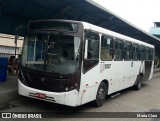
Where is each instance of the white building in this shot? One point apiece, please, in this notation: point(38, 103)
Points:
point(155, 30)
point(7, 45)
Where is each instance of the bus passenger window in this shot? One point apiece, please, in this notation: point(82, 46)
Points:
point(141, 51)
point(119, 49)
point(127, 51)
point(107, 48)
point(135, 49)
point(146, 53)
point(93, 49)
point(151, 51)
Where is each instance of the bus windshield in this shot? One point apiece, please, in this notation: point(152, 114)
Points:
point(51, 53)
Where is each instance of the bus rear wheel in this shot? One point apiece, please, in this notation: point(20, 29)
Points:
point(101, 95)
point(138, 86)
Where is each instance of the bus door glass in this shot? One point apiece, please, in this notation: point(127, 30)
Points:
point(91, 56)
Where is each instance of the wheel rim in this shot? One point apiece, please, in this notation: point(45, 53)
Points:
point(101, 95)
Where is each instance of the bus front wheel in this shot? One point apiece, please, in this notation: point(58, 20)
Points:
point(101, 95)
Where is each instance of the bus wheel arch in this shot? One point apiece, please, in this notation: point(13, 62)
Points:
point(107, 85)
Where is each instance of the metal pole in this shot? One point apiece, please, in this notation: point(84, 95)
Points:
point(16, 38)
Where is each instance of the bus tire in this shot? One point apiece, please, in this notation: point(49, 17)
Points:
point(101, 95)
point(138, 86)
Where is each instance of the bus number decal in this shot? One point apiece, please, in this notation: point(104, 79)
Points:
point(104, 66)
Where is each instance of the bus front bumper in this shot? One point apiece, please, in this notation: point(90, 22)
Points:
point(66, 98)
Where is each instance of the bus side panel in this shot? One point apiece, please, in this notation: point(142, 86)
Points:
point(89, 83)
point(126, 68)
point(112, 71)
point(151, 74)
point(135, 72)
point(131, 70)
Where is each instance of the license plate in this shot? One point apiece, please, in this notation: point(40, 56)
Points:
point(40, 95)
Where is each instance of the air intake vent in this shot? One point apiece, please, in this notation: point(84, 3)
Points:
point(46, 83)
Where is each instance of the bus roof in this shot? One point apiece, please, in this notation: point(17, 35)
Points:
point(114, 34)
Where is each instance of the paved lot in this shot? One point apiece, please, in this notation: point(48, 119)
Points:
point(145, 100)
point(8, 89)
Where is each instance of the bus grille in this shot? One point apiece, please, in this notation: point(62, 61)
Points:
point(46, 83)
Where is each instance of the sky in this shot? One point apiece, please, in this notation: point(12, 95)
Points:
point(141, 13)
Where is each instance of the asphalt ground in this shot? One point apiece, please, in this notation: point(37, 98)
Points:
point(145, 100)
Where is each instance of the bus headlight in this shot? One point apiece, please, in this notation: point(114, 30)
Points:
point(69, 88)
point(66, 89)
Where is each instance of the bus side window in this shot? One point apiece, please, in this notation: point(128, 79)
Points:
point(142, 52)
point(151, 51)
point(119, 45)
point(107, 48)
point(146, 53)
point(127, 51)
point(135, 49)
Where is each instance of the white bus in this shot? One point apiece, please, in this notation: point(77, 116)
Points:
point(73, 63)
